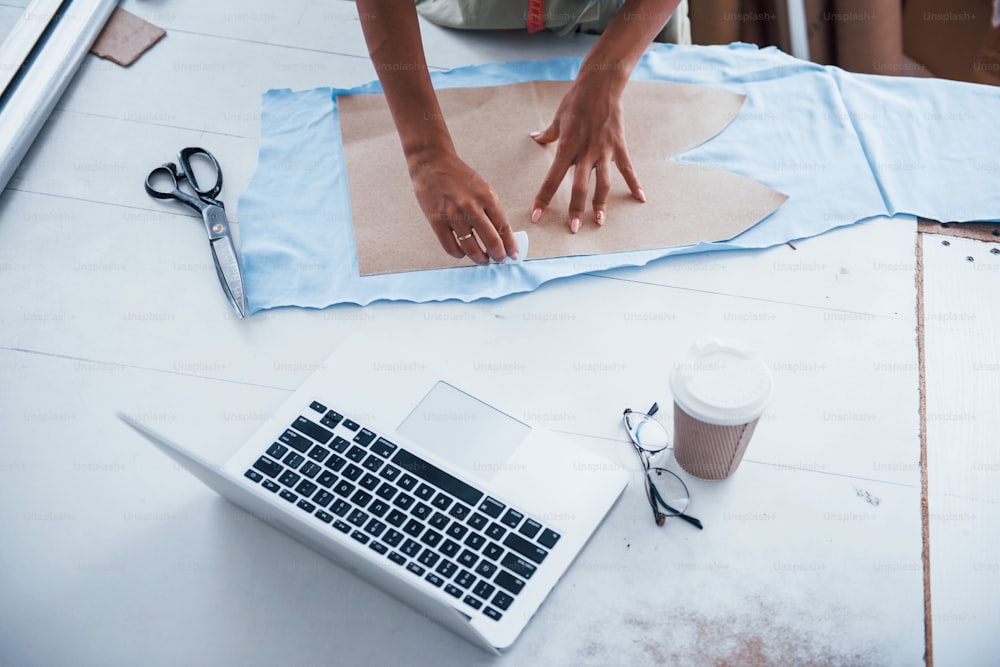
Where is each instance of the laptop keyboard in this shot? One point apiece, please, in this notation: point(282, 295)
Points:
point(435, 526)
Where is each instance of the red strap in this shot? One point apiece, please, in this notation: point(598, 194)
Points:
point(536, 15)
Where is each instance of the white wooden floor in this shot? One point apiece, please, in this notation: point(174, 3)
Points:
point(108, 301)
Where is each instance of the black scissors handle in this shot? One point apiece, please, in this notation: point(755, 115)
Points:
point(202, 196)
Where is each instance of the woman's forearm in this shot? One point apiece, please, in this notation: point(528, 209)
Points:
point(392, 34)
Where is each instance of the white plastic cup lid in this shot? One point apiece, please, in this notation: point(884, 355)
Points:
point(722, 382)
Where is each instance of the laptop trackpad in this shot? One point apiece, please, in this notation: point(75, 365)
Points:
point(463, 430)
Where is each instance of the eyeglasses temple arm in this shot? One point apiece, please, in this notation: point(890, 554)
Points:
point(690, 519)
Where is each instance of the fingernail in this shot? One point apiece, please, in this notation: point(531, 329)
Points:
point(599, 217)
point(513, 255)
point(574, 225)
point(535, 134)
point(536, 215)
point(641, 194)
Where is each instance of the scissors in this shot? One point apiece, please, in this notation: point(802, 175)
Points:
point(213, 212)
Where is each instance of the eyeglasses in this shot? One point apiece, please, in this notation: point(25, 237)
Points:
point(666, 492)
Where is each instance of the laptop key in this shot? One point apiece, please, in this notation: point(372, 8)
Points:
point(525, 548)
point(341, 526)
point(478, 521)
point(396, 518)
point(424, 491)
point(357, 517)
point(294, 459)
point(459, 511)
point(393, 537)
point(468, 558)
point(472, 602)
point(383, 448)
point(548, 538)
point(289, 478)
point(364, 437)
point(495, 530)
point(352, 472)
point(340, 444)
point(433, 579)
point(296, 441)
point(253, 475)
point(306, 505)
point(441, 501)
point(446, 568)
point(335, 463)
point(437, 477)
point(340, 508)
point(306, 488)
point(484, 590)
point(317, 406)
point(493, 551)
point(372, 463)
point(403, 501)
point(351, 425)
point(343, 488)
point(410, 547)
point(428, 557)
point(452, 591)
point(492, 613)
point(378, 508)
point(431, 538)
point(375, 527)
point(491, 506)
point(450, 548)
point(407, 482)
point(396, 558)
point(361, 498)
point(486, 569)
point(530, 528)
point(518, 566)
point(312, 429)
point(288, 495)
point(327, 479)
point(331, 419)
point(270, 486)
point(359, 536)
point(323, 498)
point(465, 579)
point(319, 453)
point(390, 472)
point(277, 450)
point(369, 481)
point(355, 453)
point(268, 467)
point(421, 511)
point(509, 582)
point(439, 520)
point(310, 469)
point(512, 518)
point(502, 600)
point(413, 527)
point(324, 516)
point(457, 530)
point(386, 491)
point(378, 547)
point(474, 541)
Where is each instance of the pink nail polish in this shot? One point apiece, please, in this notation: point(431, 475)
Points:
point(642, 195)
point(536, 215)
point(574, 225)
point(599, 217)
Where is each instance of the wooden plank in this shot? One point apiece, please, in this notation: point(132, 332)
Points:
point(961, 328)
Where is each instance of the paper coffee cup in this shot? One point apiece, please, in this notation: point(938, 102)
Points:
point(720, 391)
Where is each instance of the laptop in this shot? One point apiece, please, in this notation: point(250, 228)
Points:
point(422, 485)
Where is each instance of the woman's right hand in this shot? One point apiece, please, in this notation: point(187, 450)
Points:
point(456, 202)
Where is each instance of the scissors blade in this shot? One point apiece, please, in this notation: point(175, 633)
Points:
point(227, 265)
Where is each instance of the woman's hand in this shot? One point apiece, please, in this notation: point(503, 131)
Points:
point(590, 128)
point(460, 207)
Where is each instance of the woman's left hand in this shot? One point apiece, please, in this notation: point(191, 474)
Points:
point(590, 128)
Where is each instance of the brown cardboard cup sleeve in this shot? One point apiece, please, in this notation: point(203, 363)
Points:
point(720, 390)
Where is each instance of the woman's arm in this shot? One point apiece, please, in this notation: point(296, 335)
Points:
point(453, 197)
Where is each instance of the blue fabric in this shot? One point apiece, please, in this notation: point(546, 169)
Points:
point(844, 147)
